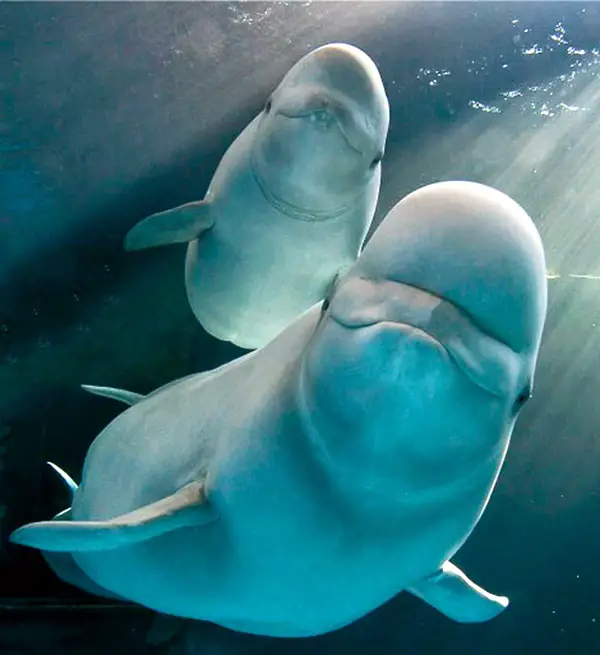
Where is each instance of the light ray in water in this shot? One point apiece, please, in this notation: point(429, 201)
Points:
point(538, 143)
point(557, 276)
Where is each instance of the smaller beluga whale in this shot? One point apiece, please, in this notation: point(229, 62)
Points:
point(290, 203)
point(294, 490)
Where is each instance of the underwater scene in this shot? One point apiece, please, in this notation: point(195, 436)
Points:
point(299, 328)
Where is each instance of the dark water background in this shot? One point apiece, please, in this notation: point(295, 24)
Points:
point(112, 111)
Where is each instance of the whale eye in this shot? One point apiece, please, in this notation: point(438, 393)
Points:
point(268, 106)
point(327, 301)
point(330, 292)
point(522, 398)
point(376, 161)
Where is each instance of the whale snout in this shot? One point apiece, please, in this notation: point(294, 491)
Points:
point(349, 71)
point(340, 83)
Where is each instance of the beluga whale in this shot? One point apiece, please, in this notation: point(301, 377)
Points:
point(289, 204)
point(294, 490)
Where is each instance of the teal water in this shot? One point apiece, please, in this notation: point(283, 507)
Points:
point(111, 111)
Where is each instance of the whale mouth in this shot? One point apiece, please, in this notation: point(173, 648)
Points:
point(326, 118)
point(489, 363)
point(328, 107)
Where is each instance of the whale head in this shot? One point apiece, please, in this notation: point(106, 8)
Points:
point(321, 136)
point(426, 350)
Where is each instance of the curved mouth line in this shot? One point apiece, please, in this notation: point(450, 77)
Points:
point(480, 356)
point(450, 306)
point(453, 356)
point(328, 111)
point(305, 113)
point(413, 326)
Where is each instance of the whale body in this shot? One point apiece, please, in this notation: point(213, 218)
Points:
point(296, 489)
point(290, 203)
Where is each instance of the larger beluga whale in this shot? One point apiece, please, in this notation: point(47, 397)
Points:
point(294, 490)
point(290, 203)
